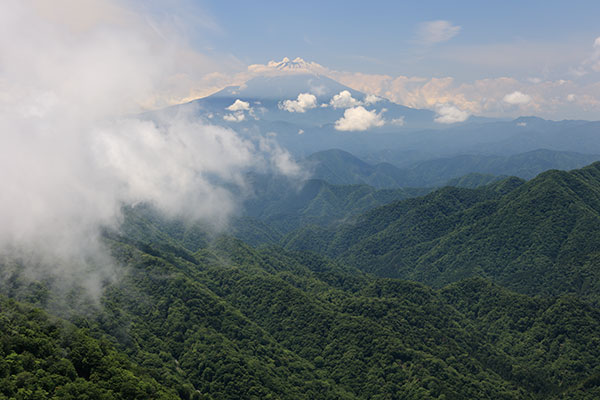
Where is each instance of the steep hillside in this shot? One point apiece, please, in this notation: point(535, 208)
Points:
point(536, 237)
point(43, 357)
point(197, 316)
point(241, 323)
point(284, 207)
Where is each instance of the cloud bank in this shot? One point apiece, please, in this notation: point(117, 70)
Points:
point(550, 98)
point(71, 154)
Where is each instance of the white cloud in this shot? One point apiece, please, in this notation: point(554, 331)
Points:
point(239, 105)
point(280, 159)
point(344, 99)
point(305, 101)
point(397, 121)
point(449, 114)
point(517, 98)
point(372, 99)
point(590, 63)
point(237, 116)
point(358, 119)
point(549, 98)
point(70, 159)
point(595, 57)
point(432, 32)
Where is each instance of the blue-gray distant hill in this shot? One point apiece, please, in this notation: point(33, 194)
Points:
point(340, 167)
point(407, 135)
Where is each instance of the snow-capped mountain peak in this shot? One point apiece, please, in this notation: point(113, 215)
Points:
point(287, 66)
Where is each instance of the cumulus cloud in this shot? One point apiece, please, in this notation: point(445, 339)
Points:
point(70, 158)
point(359, 119)
point(344, 99)
point(449, 114)
point(239, 105)
point(432, 32)
point(372, 99)
point(305, 101)
point(516, 98)
point(237, 116)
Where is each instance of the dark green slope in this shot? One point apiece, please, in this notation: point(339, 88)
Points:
point(275, 209)
point(278, 206)
point(232, 322)
point(295, 325)
point(201, 317)
point(42, 357)
point(542, 236)
point(474, 180)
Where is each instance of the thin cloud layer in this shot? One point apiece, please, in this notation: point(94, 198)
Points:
point(237, 116)
point(432, 32)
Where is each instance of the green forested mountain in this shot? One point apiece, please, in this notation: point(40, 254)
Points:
point(43, 357)
point(281, 207)
point(236, 322)
point(475, 180)
point(536, 237)
point(195, 315)
point(276, 208)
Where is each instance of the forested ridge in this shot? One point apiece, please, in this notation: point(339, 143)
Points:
point(506, 307)
point(534, 237)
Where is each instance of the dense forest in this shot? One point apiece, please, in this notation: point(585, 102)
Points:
point(485, 293)
point(535, 237)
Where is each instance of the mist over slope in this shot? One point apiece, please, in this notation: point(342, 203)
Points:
point(73, 152)
point(205, 251)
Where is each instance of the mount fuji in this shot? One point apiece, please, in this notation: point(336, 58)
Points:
point(305, 111)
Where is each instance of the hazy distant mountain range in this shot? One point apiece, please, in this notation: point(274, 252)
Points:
point(340, 167)
point(307, 113)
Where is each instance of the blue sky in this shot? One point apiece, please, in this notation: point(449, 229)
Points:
point(382, 36)
point(499, 59)
point(502, 58)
